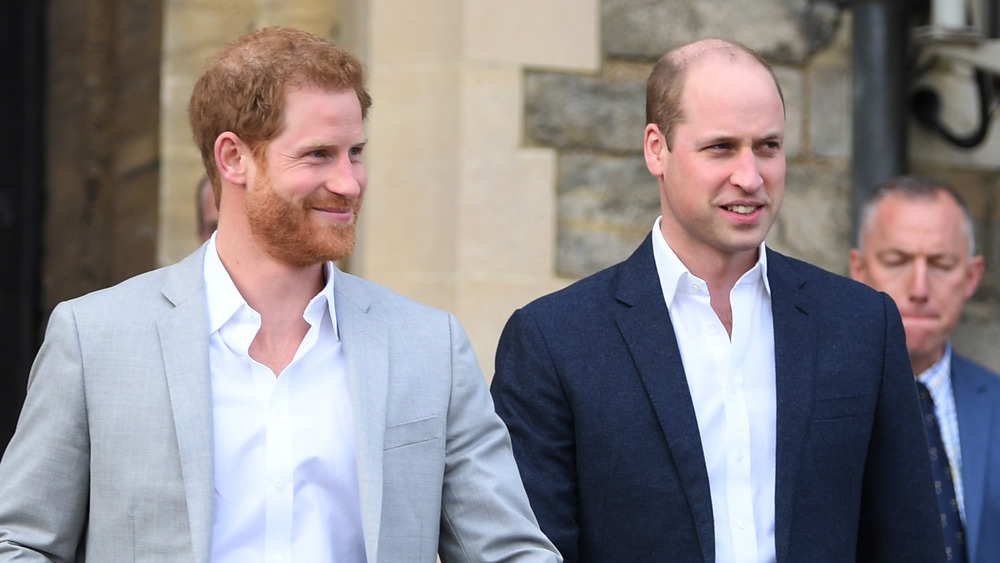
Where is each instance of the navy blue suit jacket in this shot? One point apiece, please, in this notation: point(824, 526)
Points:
point(977, 401)
point(590, 383)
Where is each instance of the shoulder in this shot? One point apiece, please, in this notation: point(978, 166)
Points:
point(839, 291)
point(141, 298)
point(143, 293)
point(630, 282)
point(964, 368)
point(373, 298)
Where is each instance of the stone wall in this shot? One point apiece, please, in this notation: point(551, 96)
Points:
point(607, 201)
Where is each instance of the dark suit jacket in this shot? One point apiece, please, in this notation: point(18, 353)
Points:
point(977, 401)
point(590, 383)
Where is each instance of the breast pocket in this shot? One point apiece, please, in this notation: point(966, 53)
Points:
point(410, 433)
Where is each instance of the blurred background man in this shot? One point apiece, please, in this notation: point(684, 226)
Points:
point(208, 211)
point(916, 244)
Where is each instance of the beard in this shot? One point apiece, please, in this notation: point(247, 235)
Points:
point(289, 231)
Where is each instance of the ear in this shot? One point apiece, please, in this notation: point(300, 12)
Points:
point(976, 266)
point(654, 147)
point(856, 265)
point(233, 158)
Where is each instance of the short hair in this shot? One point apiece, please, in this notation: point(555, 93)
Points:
point(914, 188)
point(243, 87)
point(665, 85)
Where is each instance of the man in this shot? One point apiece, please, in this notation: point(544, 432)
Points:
point(915, 243)
point(253, 402)
point(207, 214)
point(709, 399)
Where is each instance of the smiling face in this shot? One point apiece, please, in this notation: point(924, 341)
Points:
point(723, 180)
point(304, 202)
point(917, 251)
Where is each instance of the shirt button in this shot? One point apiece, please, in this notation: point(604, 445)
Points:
point(741, 524)
point(695, 287)
point(739, 456)
point(711, 329)
point(279, 485)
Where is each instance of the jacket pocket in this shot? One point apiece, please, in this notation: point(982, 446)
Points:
point(414, 432)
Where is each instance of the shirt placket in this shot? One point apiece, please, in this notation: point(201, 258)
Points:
point(280, 478)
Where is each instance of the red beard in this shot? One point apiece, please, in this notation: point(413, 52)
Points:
point(290, 231)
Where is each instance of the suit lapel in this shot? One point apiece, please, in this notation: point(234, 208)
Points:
point(645, 326)
point(365, 344)
point(975, 407)
point(183, 335)
point(795, 343)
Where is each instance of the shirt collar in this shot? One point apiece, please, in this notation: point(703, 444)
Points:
point(225, 300)
point(670, 268)
point(936, 376)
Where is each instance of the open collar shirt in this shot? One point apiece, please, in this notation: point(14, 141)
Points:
point(286, 481)
point(732, 385)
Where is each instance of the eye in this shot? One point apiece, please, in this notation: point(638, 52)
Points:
point(719, 149)
point(944, 263)
point(893, 259)
point(355, 152)
point(317, 153)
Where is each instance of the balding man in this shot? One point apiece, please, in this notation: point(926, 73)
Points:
point(916, 244)
point(710, 399)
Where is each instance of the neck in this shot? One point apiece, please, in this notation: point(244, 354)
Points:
point(278, 292)
point(923, 363)
point(720, 272)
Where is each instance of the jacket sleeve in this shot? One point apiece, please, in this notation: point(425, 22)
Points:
point(44, 474)
point(485, 513)
point(530, 400)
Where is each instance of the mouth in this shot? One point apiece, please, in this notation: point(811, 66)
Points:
point(742, 209)
point(336, 215)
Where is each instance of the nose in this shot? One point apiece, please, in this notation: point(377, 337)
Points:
point(919, 289)
point(347, 178)
point(746, 174)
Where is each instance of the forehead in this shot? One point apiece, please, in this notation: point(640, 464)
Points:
point(914, 221)
point(319, 112)
point(732, 91)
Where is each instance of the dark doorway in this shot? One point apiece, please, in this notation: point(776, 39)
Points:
point(21, 191)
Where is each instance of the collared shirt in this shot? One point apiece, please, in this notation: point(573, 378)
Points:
point(286, 482)
point(937, 378)
point(733, 389)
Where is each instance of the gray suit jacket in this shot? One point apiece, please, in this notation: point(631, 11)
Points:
point(112, 457)
point(977, 402)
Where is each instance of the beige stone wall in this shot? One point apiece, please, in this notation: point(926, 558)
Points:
point(458, 214)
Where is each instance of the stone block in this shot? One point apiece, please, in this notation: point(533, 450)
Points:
point(571, 111)
point(830, 126)
point(607, 205)
point(814, 222)
point(792, 90)
point(782, 30)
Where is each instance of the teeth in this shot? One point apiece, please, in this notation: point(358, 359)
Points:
point(742, 209)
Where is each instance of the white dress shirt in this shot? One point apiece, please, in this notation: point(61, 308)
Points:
point(286, 482)
point(733, 389)
point(937, 378)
